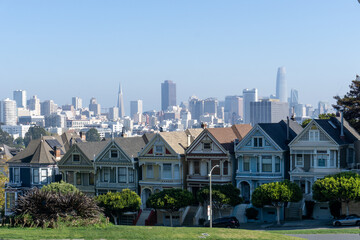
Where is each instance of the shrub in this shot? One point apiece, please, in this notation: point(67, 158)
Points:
point(251, 213)
point(61, 187)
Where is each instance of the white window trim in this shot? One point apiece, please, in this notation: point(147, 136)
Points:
point(299, 165)
point(316, 136)
point(262, 142)
point(19, 181)
point(33, 175)
point(171, 171)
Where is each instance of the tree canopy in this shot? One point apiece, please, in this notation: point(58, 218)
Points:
point(321, 116)
point(171, 200)
point(60, 187)
point(350, 104)
point(92, 135)
point(342, 187)
point(5, 138)
point(34, 132)
point(3, 179)
point(116, 203)
point(276, 194)
point(222, 196)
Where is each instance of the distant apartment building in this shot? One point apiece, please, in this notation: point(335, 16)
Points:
point(34, 106)
point(16, 130)
point(94, 106)
point(234, 108)
point(168, 94)
point(268, 111)
point(113, 113)
point(249, 95)
point(196, 107)
point(8, 114)
point(210, 106)
point(32, 120)
point(55, 120)
point(136, 107)
point(77, 102)
point(20, 98)
point(48, 107)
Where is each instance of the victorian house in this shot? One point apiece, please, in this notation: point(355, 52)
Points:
point(214, 146)
point(162, 163)
point(325, 146)
point(263, 155)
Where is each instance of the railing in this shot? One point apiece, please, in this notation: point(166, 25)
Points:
point(183, 215)
point(137, 218)
point(198, 215)
point(152, 219)
point(263, 174)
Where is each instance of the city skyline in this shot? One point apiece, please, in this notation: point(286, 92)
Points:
point(187, 42)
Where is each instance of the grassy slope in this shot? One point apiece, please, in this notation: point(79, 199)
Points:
point(320, 231)
point(132, 232)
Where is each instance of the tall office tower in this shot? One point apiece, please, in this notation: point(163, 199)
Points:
point(48, 107)
point(294, 97)
point(8, 112)
point(324, 107)
point(77, 102)
point(20, 98)
point(249, 95)
point(268, 111)
point(299, 110)
point(136, 107)
point(94, 106)
point(120, 103)
point(233, 108)
point(196, 107)
point(309, 110)
point(34, 105)
point(210, 106)
point(168, 94)
point(281, 92)
point(113, 113)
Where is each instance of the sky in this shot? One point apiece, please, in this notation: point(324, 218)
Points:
point(60, 49)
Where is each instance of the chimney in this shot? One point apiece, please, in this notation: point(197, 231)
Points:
point(188, 140)
point(57, 152)
point(287, 128)
point(82, 136)
point(342, 136)
point(203, 125)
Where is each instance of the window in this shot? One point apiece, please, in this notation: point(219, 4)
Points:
point(113, 153)
point(36, 176)
point(70, 177)
point(322, 158)
point(131, 175)
point(299, 160)
point(113, 175)
point(226, 168)
point(258, 142)
point(277, 164)
point(159, 150)
point(78, 178)
point(313, 135)
point(266, 163)
point(350, 155)
point(10, 200)
point(16, 175)
point(246, 164)
point(216, 170)
point(207, 146)
point(122, 174)
point(91, 179)
point(76, 158)
point(196, 167)
point(176, 171)
point(167, 171)
point(332, 158)
point(106, 174)
point(149, 171)
point(44, 176)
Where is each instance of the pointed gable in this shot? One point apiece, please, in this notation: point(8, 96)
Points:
point(206, 143)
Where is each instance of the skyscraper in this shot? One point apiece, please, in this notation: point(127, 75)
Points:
point(168, 94)
point(77, 102)
point(233, 108)
point(268, 111)
point(113, 113)
point(294, 98)
point(120, 103)
point(48, 107)
point(210, 106)
point(249, 95)
point(8, 112)
point(20, 98)
point(281, 92)
point(136, 107)
point(94, 106)
point(34, 105)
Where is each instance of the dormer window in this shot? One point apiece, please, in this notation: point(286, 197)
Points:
point(258, 142)
point(207, 146)
point(113, 153)
point(76, 158)
point(314, 135)
point(159, 150)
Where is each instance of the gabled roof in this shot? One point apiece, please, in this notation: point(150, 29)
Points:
point(92, 149)
point(178, 141)
point(38, 152)
point(241, 130)
point(131, 145)
point(278, 132)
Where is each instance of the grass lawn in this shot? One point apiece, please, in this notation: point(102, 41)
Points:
point(320, 231)
point(136, 232)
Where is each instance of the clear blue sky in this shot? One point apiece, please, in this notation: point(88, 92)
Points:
point(60, 49)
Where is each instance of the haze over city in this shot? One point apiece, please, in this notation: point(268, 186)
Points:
point(60, 49)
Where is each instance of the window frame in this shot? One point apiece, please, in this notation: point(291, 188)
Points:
point(114, 153)
point(73, 157)
point(167, 173)
point(296, 160)
point(122, 175)
point(258, 142)
point(247, 162)
point(36, 175)
point(269, 161)
point(149, 169)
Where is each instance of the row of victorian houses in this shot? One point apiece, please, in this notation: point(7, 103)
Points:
point(247, 156)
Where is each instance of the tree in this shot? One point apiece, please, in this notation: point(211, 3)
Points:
point(342, 187)
point(222, 196)
point(60, 187)
point(92, 135)
point(3, 179)
point(5, 138)
point(171, 200)
point(19, 142)
point(116, 203)
point(34, 133)
point(321, 116)
point(276, 194)
point(350, 104)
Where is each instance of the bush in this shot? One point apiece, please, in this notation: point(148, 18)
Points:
point(47, 209)
point(251, 213)
point(61, 187)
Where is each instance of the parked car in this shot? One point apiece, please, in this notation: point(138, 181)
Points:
point(352, 219)
point(229, 222)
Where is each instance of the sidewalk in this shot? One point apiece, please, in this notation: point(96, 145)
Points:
point(287, 225)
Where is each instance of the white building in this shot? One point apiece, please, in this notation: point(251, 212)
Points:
point(20, 98)
point(136, 107)
point(16, 130)
point(8, 112)
point(34, 106)
point(249, 95)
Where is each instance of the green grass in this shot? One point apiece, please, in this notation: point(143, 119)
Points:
point(320, 231)
point(135, 232)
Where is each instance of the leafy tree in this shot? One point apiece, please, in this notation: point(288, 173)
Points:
point(222, 196)
point(170, 200)
point(116, 203)
point(350, 104)
point(60, 187)
point(5, 138)
point(321, 116)
point(342, 187)
point(19, 142)
point(276, 194)
point(92, 135)
point(3, 179)
point(34, 133)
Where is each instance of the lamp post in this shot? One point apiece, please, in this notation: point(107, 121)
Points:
point(211, 194)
